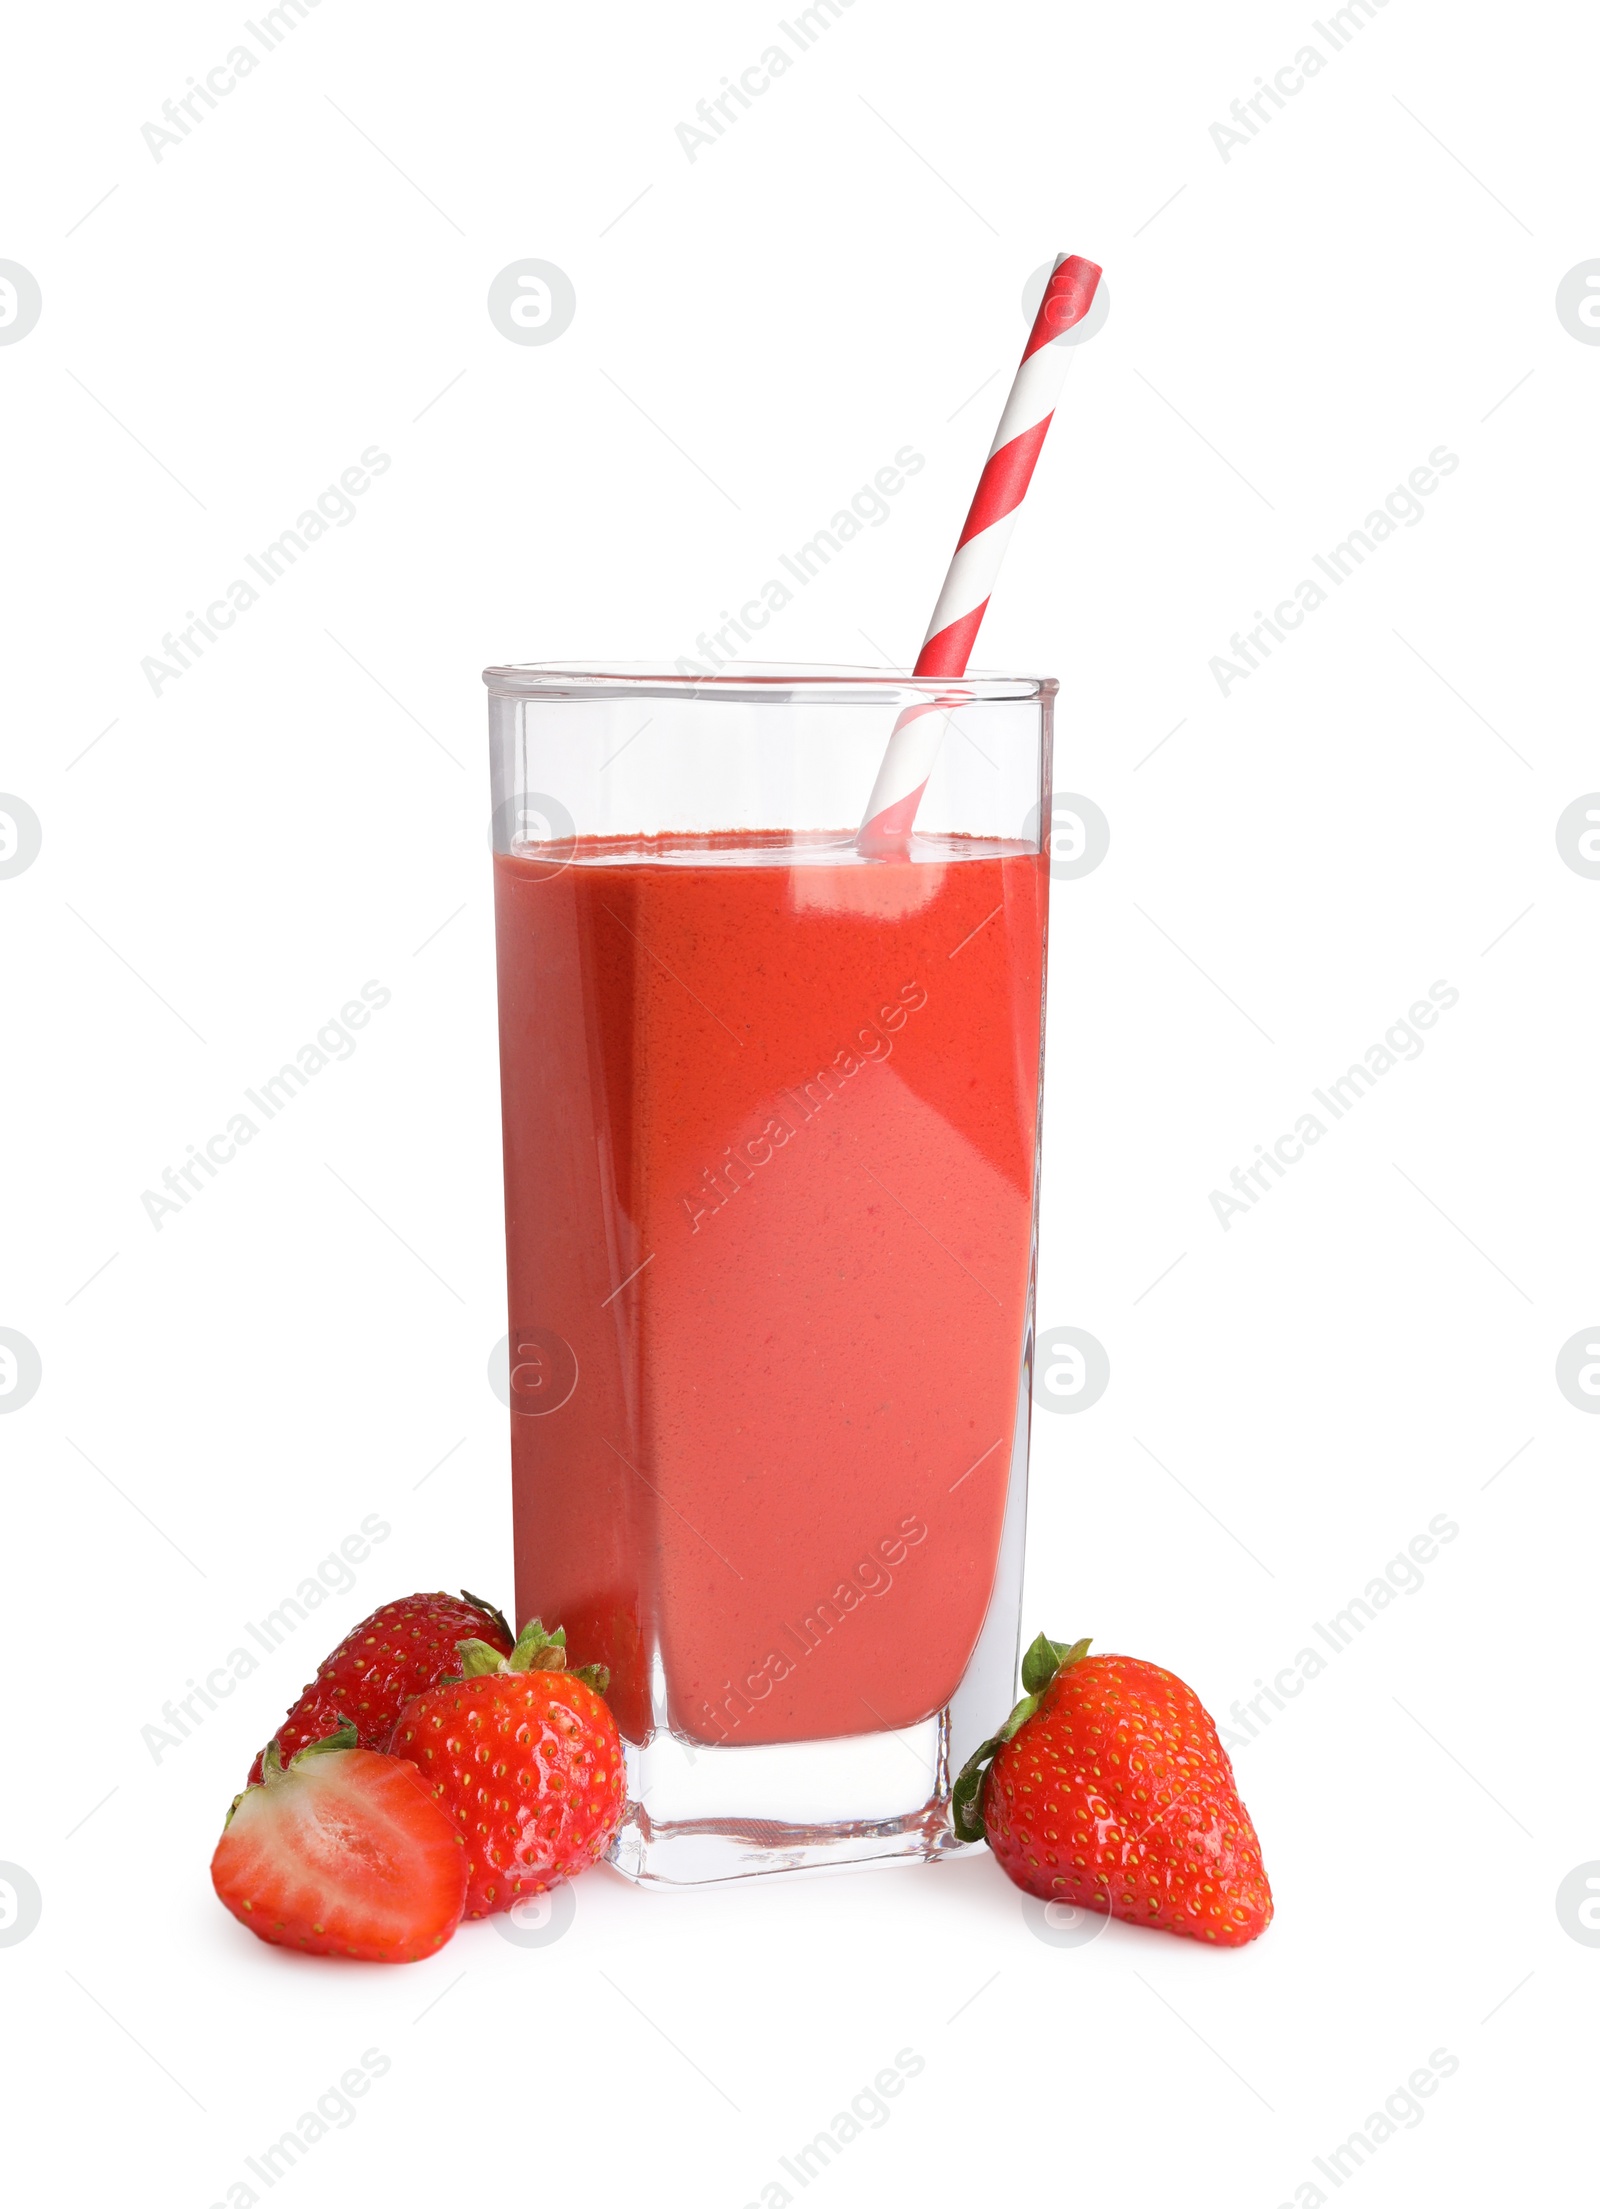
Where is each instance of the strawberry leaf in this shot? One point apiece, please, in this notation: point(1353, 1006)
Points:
point(966, 1810)
point(345, 1737)
point(479, 1657)
point(537, 1651)
point(966, 1804)
point(597, 1676)
point(1045, 1658)
point(489, 1611)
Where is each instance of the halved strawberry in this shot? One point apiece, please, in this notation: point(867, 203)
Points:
point(342, 1852)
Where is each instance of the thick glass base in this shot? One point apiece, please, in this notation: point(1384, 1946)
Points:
point(699, 1815)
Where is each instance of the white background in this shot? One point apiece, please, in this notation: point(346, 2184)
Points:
point(1292, 331)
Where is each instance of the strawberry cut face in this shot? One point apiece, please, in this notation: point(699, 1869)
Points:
point(343, 1853)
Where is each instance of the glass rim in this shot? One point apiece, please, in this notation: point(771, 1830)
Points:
point(821, 683)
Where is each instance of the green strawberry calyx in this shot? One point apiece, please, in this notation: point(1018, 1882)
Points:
point(535, 1651)
point(1044, 1662)
point(274, 1770)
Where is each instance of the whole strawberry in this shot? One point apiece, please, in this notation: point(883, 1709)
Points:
point(402, 1648)
point(526, 1758)
point(1107, 1787)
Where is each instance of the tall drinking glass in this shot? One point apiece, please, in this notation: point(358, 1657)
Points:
point(771, 1120)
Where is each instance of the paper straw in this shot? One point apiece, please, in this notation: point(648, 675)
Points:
point(914, 741)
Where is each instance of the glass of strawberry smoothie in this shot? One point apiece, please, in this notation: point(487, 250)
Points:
point(771, 1124)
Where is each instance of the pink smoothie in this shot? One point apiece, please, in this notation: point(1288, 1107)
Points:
point(770, 1139)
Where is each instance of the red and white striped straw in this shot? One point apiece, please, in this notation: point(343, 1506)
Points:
point(914, 741)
